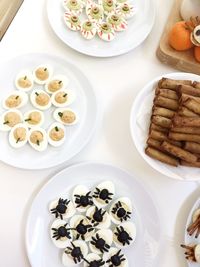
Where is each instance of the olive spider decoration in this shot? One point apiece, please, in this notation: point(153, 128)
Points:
point(82, 229)
point(103, 194)
point(122, 236)
point(120, 212)
point(95, 263)
point(100, 243)
point(97, 216)
point(61, 232)
point(83, 200)
point(75, 253)
point(116, 259)
point(61, 208)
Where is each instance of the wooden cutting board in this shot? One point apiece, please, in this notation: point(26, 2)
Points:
point(183, 61)
point(8, 10)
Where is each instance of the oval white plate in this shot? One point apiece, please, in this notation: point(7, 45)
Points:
point(139, 126)
point(78, 135)
point(138, 29)
point(144, 252)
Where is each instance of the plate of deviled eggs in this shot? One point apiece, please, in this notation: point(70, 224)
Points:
point(92, 215)
point(48, 111)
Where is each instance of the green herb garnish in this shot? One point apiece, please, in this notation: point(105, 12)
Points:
point(56, 128)
point(60, 114)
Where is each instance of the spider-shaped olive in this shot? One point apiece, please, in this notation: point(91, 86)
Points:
point(97, 216)
point(61, 208)
point(95, 263)
point(122, 236)
point(82, 229)
point(61, 232)
point(83, 200)
point(120, 212)
point(75, 253)
point(116, 259)
point(103, 194)
point(100, 244)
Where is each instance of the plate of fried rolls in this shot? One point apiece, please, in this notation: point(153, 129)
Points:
point(165, 125)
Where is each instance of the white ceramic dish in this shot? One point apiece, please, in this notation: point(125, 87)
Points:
point(145, 250)
point(139, 126)
point(138, 29)
point(77, 135)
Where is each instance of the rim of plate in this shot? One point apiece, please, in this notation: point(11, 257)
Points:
point(132, 120)
point(120, 52)
point(94, 125)
point(108, 165)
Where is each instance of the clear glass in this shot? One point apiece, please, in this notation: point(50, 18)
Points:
point(190, 8)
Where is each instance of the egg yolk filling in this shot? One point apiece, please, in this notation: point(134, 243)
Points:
point(56, 134)
point(36, 137)
point(13, 101)
point(19, 134)
point(42, 99)
point(61, 97)
point(55, 85)
point(24, 82)
point(11, 119)
point(42, 74)
point(67, 116)
point(34, 118)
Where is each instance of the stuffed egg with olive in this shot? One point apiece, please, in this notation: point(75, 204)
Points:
point(42, 74)
point(37, 139)
point(15, 99)
point(18, 135)
point(40, 99)
point(63, 98)
point(9, 119)
point(65, 116)
point(101, 241)
point(24, 81)
point(56, 83)
point(121, 210)
point(124, 234)
point(103, 194)
point(34, 118)
point(56, 134)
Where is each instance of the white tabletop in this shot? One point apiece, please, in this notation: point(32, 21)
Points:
point(123, 76)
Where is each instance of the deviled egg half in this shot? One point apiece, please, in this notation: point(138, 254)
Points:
point(117, 22)
point(56, 134)
point(99, 218)
point(40, 99)
point(24, 81)
point(93, 259)
point(34, 118)
point(65, 116)
point(38, 139)
point(9, 119)
point(101, 242)
point(75, 6)
point(60, 233)
point(62, 208)
point(56, 83)
point(124, 234)
point(106, 32)
point(103, 193)
point(88, 29)
point(74, 254)
point(15, 99)
point(72, 21)
point(115, 257)
point(81, 228)
point(18, 135)
point(42, 73)
point(121, 210)
point(82, 198)
point(63, 98)
point(126, 10)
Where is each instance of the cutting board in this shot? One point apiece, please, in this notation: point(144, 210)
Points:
point(183, 61)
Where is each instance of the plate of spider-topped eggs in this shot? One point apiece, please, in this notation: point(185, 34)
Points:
point(48, 111)
point(102, 28)
point(93, 215)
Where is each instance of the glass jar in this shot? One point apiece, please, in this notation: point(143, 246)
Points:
point(190, 8)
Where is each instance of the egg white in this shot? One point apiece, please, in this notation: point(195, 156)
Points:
point(106, 218)
point(29, 75)
point(130, 228)
point(57, 117)
point(70, 211)
point(75, 220)
point(71, 98)
point(52, 142)
point(80, 190)
point(91, 257)
point(126, 204)
point(26, 116)
point(105, 234)
point(43, 145)
point(104, 185)
point(63, 78)
point(33, 96)
point(21, 94)
point(49, 68)
point(111, 253)
point(5, 127)
point(12, 139)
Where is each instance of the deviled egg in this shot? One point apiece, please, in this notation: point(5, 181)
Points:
point(101, 241)
point(15, 99)
point(116, 258)
point(117, 22)
point(63, 98)
point(81, 228)
point(9, 119)
point(42, 73)
point(38, 139)
point(103, 193)
point(56, 134)
point(75, 6)
point(121, 210)
point(126, 10)
point(18, 135)
point(99, 218)
point(74, 253)
point(24, 81)
point(106, 32)
point(72, 21)
point(124, 234)
point(108, 6)
point(34, 118)
point(93, 259)
point(62, 208)
point(56, 83)
point(94, 12)
point(88, 29)
point(40, 99)
point(60, 233)
point(82, 198)
point(65, 116)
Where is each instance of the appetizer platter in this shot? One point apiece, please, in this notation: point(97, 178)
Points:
point(101, 28)
point(46, 112)
point(165, 128)
point(89, 209)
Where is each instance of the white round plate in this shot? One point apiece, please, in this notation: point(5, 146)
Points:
point(78, 135)
point(144, 252)
point(138, 29)
point(139, 126)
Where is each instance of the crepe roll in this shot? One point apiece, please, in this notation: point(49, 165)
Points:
point(188, 90)
point(167, 93)
point(154, 143)
point(190, 164)
point(192, 105)
point(185, 112)
point(166, 103)
point(185, 97)
point(192, 147)
point(162, 121)
point(184, 121)
point(184, 137)
point(172, 84)
point(158, 128)
point(186, 130)
point(163, 112)
point(160, 136)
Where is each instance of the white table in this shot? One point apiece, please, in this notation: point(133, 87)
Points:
point(30, 32)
